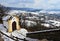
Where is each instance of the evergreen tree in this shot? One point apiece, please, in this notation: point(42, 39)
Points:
point(3, 10)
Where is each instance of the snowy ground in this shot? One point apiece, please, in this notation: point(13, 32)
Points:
point(20, 34)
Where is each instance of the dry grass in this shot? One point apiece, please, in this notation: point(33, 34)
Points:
point(1, 39)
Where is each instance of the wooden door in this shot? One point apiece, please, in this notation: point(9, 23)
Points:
point(13, 26)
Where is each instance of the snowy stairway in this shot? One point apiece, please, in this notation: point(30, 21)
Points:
point(8, 36)
point(13, 38)
point(21, 34)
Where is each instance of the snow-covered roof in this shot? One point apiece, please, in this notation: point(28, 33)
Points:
point(35, 13)
point(45, 24)
point(54, 12)
point(43, 11)
point(13, 12)
point(54, 21)
point(6, 17)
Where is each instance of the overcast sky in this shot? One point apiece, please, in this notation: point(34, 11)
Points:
point(43, 4)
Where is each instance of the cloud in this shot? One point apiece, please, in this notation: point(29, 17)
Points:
point(17, 3)
point(48, 4)
point(44, 4)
